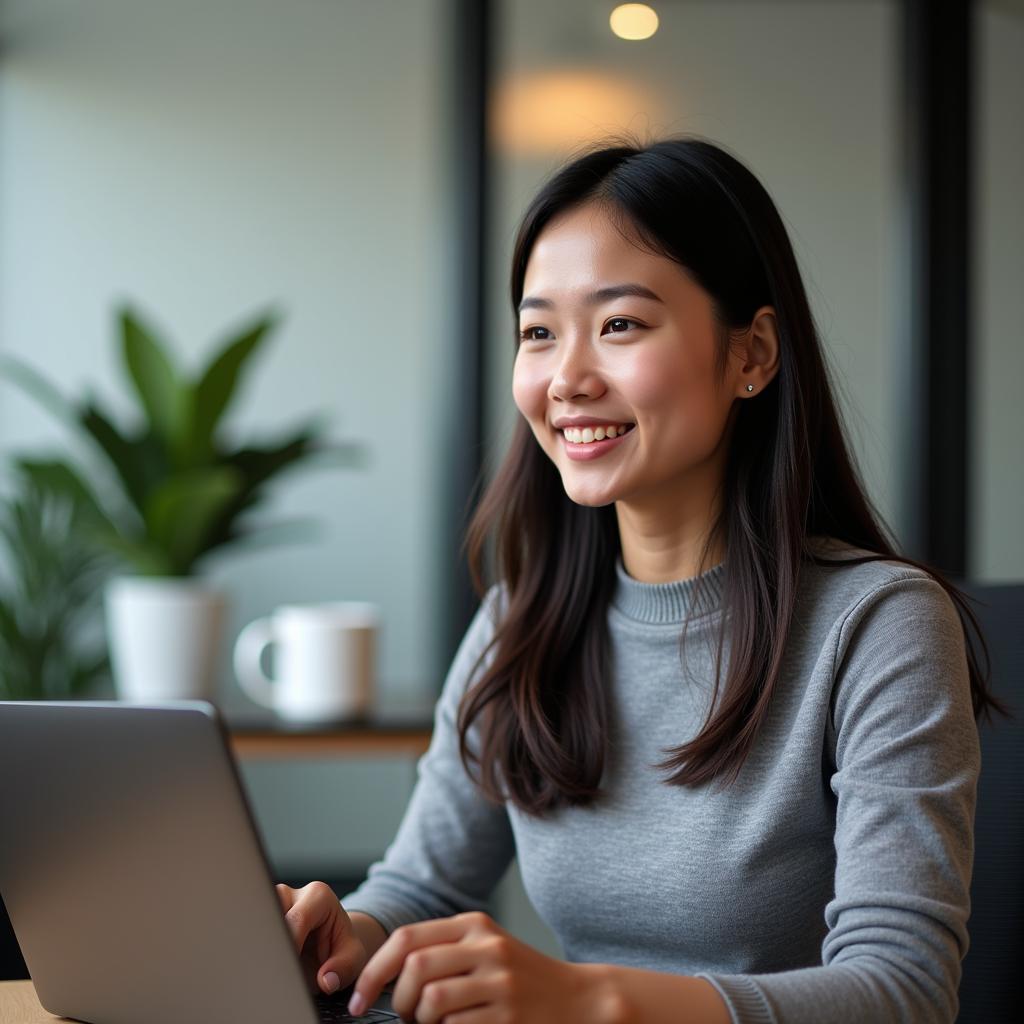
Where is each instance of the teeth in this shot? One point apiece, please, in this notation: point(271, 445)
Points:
point(586, 435)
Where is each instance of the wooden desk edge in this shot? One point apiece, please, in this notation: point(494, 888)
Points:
point(270, 744)
point(19, 1004)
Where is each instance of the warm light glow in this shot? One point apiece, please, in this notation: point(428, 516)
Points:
point(634, 21)
point(550, 113)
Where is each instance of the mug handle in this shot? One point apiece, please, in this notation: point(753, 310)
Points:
point(249, 647)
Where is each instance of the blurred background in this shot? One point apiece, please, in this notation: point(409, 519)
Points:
point(360, 166)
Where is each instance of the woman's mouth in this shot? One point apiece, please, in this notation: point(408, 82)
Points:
point(585, 443)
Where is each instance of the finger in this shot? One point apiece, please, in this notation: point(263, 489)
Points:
point(386, 963)
point(444, 997)
point(310, 910)
point(478, 1015)
point(341, 969)
point(286, 894)
point(429, 965)
point(340, 955)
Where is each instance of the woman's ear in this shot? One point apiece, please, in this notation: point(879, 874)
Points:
point(758, 350)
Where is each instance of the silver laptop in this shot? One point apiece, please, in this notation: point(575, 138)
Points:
point(133, 873)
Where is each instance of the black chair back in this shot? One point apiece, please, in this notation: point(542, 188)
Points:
point(990, 989)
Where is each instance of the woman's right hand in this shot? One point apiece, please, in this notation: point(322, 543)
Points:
point(332, 953)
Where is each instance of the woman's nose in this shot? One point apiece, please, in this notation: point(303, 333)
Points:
point(575, 376)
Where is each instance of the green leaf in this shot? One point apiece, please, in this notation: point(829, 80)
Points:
point(145, 557)
point(135, 461)
point(38, 387)
point(8, 624)
point(85, 674)
point(257, 465)
point(166, 400)
point(181, 512)
point(56, 477)
point(139, 462)
point(217, 385)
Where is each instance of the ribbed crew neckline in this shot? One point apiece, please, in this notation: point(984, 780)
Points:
point(666, 603)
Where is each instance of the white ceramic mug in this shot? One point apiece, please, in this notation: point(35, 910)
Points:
point(325, 660)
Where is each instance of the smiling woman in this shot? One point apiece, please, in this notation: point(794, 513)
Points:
point(726, 728)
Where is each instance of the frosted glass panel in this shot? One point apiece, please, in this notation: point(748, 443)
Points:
point(996, 543)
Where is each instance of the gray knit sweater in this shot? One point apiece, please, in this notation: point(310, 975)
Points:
point(828, 884)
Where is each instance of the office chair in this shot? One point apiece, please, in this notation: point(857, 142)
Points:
point(990, 989)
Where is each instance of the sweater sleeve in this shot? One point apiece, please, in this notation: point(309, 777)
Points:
point(905, 776)
point(452, 846)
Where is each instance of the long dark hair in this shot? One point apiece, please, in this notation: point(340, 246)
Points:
point(789, 478)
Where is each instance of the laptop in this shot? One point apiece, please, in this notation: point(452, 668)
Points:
point(134, 875)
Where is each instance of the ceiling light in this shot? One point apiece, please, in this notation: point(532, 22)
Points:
point(634, 21)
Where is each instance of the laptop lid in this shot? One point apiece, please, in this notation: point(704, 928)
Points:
point(132, 869)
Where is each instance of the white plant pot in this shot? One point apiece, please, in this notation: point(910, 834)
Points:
point(165, 637)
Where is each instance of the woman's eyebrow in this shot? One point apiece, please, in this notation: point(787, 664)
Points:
point(614, 291)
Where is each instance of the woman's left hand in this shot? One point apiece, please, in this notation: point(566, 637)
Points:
point(466, 969)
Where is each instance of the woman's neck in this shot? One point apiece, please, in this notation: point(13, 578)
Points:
point(656, 551)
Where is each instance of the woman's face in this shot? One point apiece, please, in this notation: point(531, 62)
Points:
point(611, 335)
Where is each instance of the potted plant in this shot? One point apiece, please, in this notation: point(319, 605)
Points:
point(178, 491)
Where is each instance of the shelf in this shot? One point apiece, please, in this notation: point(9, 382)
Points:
point(395, 733)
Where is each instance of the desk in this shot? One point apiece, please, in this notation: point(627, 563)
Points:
point(19, 1005)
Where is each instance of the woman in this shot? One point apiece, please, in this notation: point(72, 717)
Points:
point(727, 730)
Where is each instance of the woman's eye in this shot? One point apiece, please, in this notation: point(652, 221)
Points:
point(528, 335)
point(619, 324)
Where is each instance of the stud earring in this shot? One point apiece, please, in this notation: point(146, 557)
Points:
point(750, 387)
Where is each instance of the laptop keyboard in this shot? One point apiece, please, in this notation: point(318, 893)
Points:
point(335, 1011)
